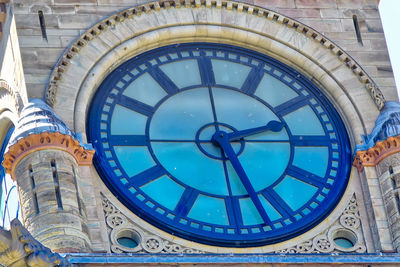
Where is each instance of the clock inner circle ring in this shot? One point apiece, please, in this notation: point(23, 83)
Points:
point(181, 134)
point(204, 136)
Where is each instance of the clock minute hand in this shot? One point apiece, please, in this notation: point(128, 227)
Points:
point(220, 138)
point(274, 126)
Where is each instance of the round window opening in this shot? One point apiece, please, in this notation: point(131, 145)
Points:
point(219, 144)
point(345, 239)
point(128, 238)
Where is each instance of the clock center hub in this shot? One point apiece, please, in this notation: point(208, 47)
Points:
point(211, 149)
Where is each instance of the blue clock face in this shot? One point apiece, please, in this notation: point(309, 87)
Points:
point(219, 144)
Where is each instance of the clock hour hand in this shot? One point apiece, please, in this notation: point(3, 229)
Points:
point(220, 139)
point(274, 126)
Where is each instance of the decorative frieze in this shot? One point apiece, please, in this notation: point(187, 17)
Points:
point(375, 154)
point(140, 240)
point(18, 103)
point(347, 228)
point(45, 140)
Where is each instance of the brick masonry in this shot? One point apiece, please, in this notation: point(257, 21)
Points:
point(65, 20)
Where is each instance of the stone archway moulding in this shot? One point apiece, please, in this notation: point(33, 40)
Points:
point(155, 24)
point(103, 47)
point(11, 104)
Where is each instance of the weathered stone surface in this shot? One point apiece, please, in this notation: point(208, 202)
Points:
point(50, 201)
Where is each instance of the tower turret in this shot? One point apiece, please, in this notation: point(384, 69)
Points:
point(43, 156)
point(379, 159)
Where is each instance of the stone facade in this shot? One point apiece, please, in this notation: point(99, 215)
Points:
point(65, 20)
point(69, 47)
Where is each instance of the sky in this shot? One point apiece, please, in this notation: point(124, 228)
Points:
point(389, 10)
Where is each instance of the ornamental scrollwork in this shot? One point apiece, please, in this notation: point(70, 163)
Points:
point(347, 227)
point(375, 154)
point(376, 95)
point(119, 226)
point(19, 248)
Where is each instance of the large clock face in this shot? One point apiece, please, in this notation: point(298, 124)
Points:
point(219, 144)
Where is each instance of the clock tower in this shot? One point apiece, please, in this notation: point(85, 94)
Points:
point(264, 130)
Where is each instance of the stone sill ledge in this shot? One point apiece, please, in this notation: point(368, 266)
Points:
point(99, 258)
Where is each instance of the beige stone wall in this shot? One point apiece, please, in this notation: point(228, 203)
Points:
point(51, 200)
point(11, 71)
point(65, 20)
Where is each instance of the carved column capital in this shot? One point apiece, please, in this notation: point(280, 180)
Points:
point(42, 141)
point(375, 154)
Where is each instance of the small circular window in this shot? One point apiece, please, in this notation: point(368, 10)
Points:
point(128, 238)
point(344, 238)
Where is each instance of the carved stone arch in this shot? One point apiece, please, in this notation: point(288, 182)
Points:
point(112, 41)
point(10, 106)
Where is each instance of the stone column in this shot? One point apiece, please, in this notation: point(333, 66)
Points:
point(379, 160)
point(389, 179)
point(44, 160)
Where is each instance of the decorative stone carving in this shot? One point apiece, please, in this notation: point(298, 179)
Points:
point(375, 154)
point(46, 140)
point(19, 248)
point(119, 226)
point(110, 22)
point(348, 227)
point(18, 103)
point(376, 95)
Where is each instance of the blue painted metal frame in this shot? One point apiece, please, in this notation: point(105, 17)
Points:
point(339, 259)
point(2, 174)
point(330, 187)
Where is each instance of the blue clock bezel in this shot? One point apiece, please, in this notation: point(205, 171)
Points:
point(224, 238)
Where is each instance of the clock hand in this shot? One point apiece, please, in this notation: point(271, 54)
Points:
point(220, 138)
point(274, 126)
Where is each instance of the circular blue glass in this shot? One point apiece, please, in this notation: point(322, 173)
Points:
point(183, 137)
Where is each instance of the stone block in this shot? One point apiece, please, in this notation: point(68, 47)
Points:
point(378, 45)
point(389, 81)
point(99, 10)
point(350, 45)
point(391, 207)
point(77, 21)
point(31, 21)
point(75, 2)
point(390, 93)
point(91, 212)
point(385, 238)
point(46, 197)
point(386, 185)
point(38, 41)
point(360, 13)
point(374, 25)
point(376, 58)
point(324, 25)
point(330, 13)
point(369, 4)
point(316, 4)
point(36, 78)
point(301, 13)
point(35, 90)
point(64, 9)
point(121, 2)
point(275, 3)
